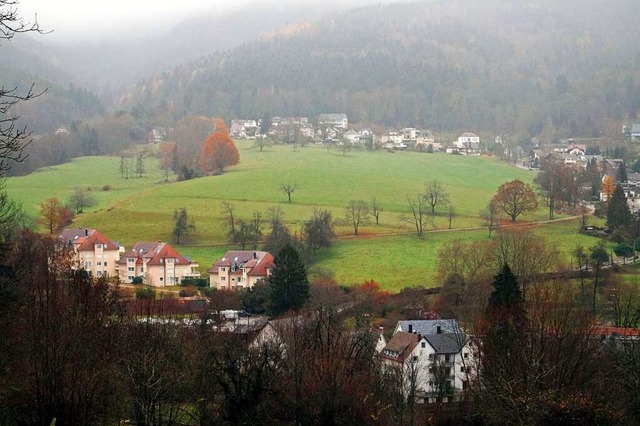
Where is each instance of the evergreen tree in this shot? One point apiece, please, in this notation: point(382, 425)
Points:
point(618, 212)
point(622, 173)
point(183, 227)
point(506, 294)
point(288, 281)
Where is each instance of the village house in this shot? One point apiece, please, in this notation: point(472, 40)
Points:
point(92, 251)
point(338, 121)
point(434, 357)
point(237, 270)
point(158, 264)
point(468, 144)
point(243, 129)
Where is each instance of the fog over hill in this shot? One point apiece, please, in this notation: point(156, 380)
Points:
point(513, 67)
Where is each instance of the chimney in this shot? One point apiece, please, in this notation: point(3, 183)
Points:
point(86, 232)
point(255, 256)
point(438, 330)
point(410, 328)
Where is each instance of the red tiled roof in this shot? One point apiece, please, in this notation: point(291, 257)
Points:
point(402, 343)
point(257, 261)
point(156, 253)
point(85, 238)
point(97, 238)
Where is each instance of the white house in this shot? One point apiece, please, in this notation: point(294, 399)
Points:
point(334, 120)
point(432, 356)
point(468, 143)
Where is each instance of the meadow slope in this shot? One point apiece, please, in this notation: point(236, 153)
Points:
point(142, 208)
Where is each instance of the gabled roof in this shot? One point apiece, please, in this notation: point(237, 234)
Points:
point(154, 253)
point(332, 117)
point(468, 135)
point(86, 238)
point(447, 343)
point(401, 344)
point(426, 327)
point(257, 261)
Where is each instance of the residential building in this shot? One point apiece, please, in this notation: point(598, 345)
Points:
point(433, 358)
point(468, 143)
point(93, 252)
point(635, 132)
point(240, 269)
point(159, 264)
point(333, 120)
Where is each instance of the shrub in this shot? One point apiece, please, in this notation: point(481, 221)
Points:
point(188, 292)
point(198, 282)
point(136, 280)
point(106, 187)
point(145, 293)
point(209, 291)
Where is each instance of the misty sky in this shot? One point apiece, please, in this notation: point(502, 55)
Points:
point(75, 18)
point(94, 19)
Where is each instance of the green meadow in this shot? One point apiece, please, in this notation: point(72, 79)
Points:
point(141, 209)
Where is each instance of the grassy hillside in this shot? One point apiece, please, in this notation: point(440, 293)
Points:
point(142, 208)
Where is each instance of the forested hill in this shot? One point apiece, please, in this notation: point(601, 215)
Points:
point(513, 67)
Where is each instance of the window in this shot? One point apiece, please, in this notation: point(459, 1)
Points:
point(431, 357)
point(131, 259)
point(87, 265)
point(99, 263)
point(98, 246)
point(423, 345)
point(415, 358)
point(99, 273)
point(169, 260)
point(131, 269)
point(447, 358)
point(223, 269)
point(466, 355)
point(462, 369)
point(239, 279)
point(223, 278)
point(161, 279)
point(130, 277)
point(104, 263)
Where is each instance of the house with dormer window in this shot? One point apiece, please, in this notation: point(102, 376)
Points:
point(159, 265)
point(432, 358)
point(92, 251)
point(236, 270)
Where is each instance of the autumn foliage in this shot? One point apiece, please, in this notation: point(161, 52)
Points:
point(515, 198)
point(218, 151)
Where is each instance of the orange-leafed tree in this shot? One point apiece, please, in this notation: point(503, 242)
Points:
point(218, 151)
point(54, 215)
point(515, 198)
point(608, 186)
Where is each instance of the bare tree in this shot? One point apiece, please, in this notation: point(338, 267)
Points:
point(490, 215)
point(375, 208)
point(435, 194)
point(356, 212)
point(452, 214)
point(227, 210)
point(419, 214)
point(13, 138)
point(288, 189)
point(81, 198)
